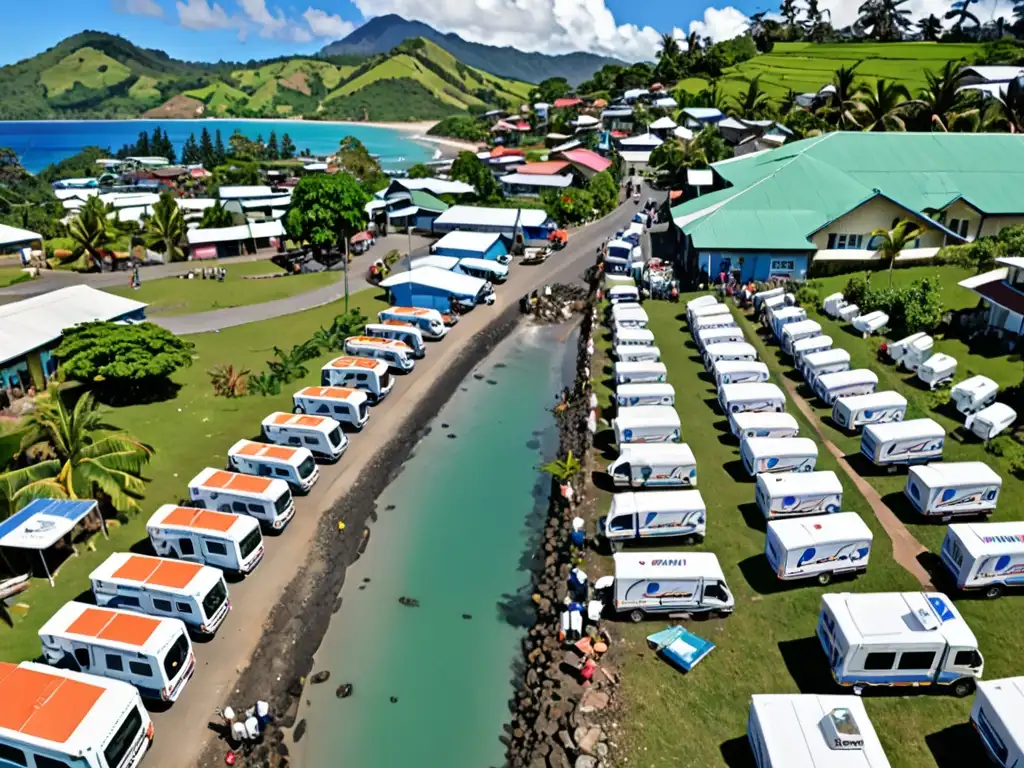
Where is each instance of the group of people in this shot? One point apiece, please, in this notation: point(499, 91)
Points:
point(245, 730)
point(206, 273)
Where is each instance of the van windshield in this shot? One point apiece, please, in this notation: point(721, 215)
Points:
point(123, 739)
point(281, 505)
point(335, 436)
point(215, 599)
point(306, 467)
point(252, 540)
point(174, 661)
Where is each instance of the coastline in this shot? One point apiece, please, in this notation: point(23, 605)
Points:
point(449, 147)
point(421, 126)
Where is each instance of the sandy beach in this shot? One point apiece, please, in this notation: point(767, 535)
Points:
point(449, 147)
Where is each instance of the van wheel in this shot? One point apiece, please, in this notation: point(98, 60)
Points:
point(298, 409)
point(636, 616)
point(825, 578)
point(994, 591)
point(963, 688)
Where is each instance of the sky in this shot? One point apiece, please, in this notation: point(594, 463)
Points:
point(240, 30)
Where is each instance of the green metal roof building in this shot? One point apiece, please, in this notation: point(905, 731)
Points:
point(821, 198)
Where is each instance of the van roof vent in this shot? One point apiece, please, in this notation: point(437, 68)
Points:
point(841, 730)
point(926, 619)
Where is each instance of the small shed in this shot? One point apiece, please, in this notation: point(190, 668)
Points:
point(472, 245)
point(42, 524)
point(421, 210)
point(433, 288)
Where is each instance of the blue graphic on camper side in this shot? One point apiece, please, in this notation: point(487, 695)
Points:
point(994, 745)
point(941, 608)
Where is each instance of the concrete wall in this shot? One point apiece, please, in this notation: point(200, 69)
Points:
point(877, 213)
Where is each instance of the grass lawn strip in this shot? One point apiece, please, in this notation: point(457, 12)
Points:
point(768, 644)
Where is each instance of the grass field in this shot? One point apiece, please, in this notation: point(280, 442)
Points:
point(405, 66)
point(191, 431)
point(806, 67)
point(9, 275)
point(218, 96)
point(256, 78)
point(88, 66)
point(170, 296)
point(144, 89)
point(768, 644)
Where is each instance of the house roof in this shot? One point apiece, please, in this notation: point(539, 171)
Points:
point(423, 199)
point(469, 216)
point(992, 287)
point(14, 235)
point(779, 198)
point(537, 180)
point(588, 159)
point(702, 113)
point(566, 102)
point(544, 168)
point(636, 155)
point(642, 140)
point(478, 242)
point(433, 277)
point(663, 124)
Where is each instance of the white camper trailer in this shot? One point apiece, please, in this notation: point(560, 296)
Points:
point(974, 394)
point(917, 441)
point(645, 515)
point(897, 349)
point(775, 454)
point(341, 404)
point(296, 466)
point(760, 296)
point(632, 395)
point(647, 424)
point(916, 352)
point(369, 375)
point(639, 373)
point(631, 337)
point(737, 351)
point(705, 310)
point(786, 316)
point(946, 489)
point(267, 499)
point(849, 312)
point(621, 293)
point(852, 413)
point(996, 716)
point(937, 370)
point(805, 347)
point(763, 424)
point(406, 333)
point(629, 316)
point(819, 547)
point(830, 386)
point(870, 323)
point(707, 300)
point(832, 303)
point(666, 582)
point(707, 322)
point(798, 494)
point(224, 540)
point(989, 422)
point(794, 332)
point(396, 354)
point(637, 354)
point(322, 435)
point(654, 465)
point(709, 336)
point(737, 398)
point(911, 639)
point(985, 557)
point(824, 362)
point(739, 372)
point(794, 730)
point(429, 321)
point(775, 302)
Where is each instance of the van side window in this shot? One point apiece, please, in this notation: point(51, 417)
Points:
point(126, 601)
point(82, 657)
point(879, 661)
point(162, 605)
point(42, 761)
point(115, 663)
point(264, 470)
point(238, 506)
point(140, 668)
point(324, 408)
point(254, 508)
point(715, 592)
point(9, 754)
point(294, 441)
point(216, 548)
point(361, 377)
point(308, 441)
point(280, 472)
point(917, 659)
point(340, 409)
point(186, 547)
point(183, 607)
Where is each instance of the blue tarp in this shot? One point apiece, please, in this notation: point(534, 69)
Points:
point(43, 523)
point(680, 647)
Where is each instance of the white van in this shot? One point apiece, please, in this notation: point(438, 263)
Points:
point(947, 489)
point(707, 300)
point(739, 372)
point(824, 362)
point(429, 321)
point(986, 557)
point(831, 386)
point(832, 303)
point(631, 337)
point(794, 332)
point(996, 717)
point(917, 441)
point(760, 296)
point(797, 494)
point(296, 466)
point(734, 351)
point(898, 639)
point(710, 322)
point(988, 423)
point(50, 718)
point(856, 411)
point(654, 464)
point(196, 594)
point(812, 731)
point(484, 269)
point(343, 404)
point(396, 354)
point(409, 335)
point(155, 655)
point(371, 376)
point(705, 310)
point(639, 373)
point(780, 318)
point(629, 316)
point(822, 548)
point(937, 370)
point(647, 515)
point(322, 435)
point(267, 499)
point(763, 424)
point(775, 302)
point(805, 347)
point(974, 394)
point(637, 354)
point(738, 398)
point(224, 540)
point(778, 454)
point(709, 336)
point(647, 424)
point(666, 582)
point(632, 395)
point(621, 293)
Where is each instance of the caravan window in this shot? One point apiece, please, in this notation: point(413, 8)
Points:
point(967, 659)
point(124, 601)
point(184, 607)
point(185, 545)
point(140, 668)
point(216, 548)
point(280, 472)
point(256, 509)
point(879, 661)
point(82, 657)
point(294, 441)
point(310, 440)
point(917, 660)
point(238, 506)
point(42, 761)
point(162, 605)
point(114, 663)
point(11, 755)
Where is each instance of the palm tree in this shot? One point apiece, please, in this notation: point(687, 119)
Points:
point(844, 92)
point(669, 48)
point(942, 97)
point(165, 229)
point(788, 102)
point(712, 97)
point(91, 232)
point(895, 240)
point(216, 216)
point(882, 106)
point(960, 10)
point(86, 457)
point(289, 365)
point(930, 28)
point(753, 104)
point(693, 46)
point(788, 10)
point(673, 158)
point(886, 18)
point(1006, 111)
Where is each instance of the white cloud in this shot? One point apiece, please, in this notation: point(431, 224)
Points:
point(200, 15)
point(844, 12)
point(139, 7)
point(275, 26)
point(324, 24)
point(722, 23)
point(549, 26)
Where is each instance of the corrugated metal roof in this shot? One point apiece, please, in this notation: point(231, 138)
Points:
point(478, 242)
point(469, 216)
point(433, 277)
point(425, 200)
point(537, 180)
point(545, 168)
point(14, 235)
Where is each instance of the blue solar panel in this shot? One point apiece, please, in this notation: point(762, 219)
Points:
point(66, 508)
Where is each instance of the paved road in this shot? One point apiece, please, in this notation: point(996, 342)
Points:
point(182, 730)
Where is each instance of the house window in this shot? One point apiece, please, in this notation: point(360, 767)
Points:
point(782, 265)
point(960, 226)
point(838, 242)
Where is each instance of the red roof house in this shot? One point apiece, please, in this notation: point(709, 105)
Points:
point(586, 161)
point(548, 168)
point(565, 103)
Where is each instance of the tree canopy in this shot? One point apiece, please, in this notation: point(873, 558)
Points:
point(469, 168)
point(326, 210)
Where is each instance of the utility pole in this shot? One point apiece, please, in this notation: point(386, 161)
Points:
point(344, 250)
point(408, 231)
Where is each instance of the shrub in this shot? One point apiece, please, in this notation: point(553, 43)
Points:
point(1009, 449)
point(807, 296)
point(229, 381)
point(911, 308)
point(856, 290)
point(265, 384)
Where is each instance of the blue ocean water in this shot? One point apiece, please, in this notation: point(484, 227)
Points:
point(456, 531)
point(40, 143)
